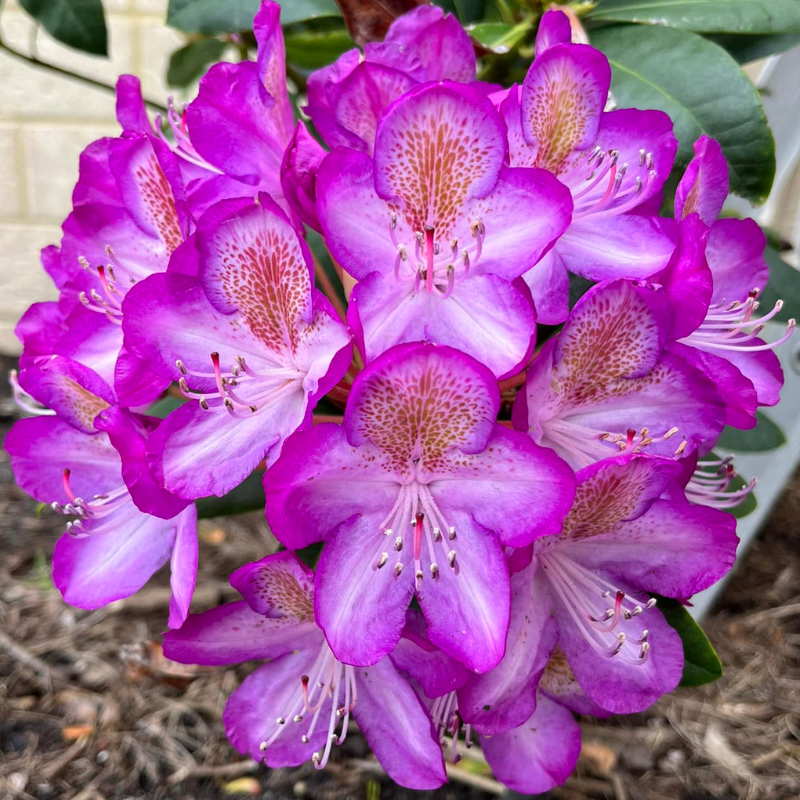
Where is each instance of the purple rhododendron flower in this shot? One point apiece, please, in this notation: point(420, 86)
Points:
point(297, 705)
point(533, 750)
point(347, 99)
point(477, 576)
point(416, 493)
point(607, 383)
point(718, 321)
point(230, 140)
point(436, 234)
point(621, 542)
point(248, 338)
point(125, 224)
point(613, 162)
point(88, 461)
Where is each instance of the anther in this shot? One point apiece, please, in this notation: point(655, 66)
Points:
point(388, 532)
point(651, 603)
point(681, 447)
point(670, 432)
point(262, 747)
point(181, 367)
point(394, 216)
point(419, 575)
point(280, 721)
point(452, 534)
point(398, 568)
point(382, 560)
point(437, 535)
point(641, 157)
point(298, 718)
point(649, 161)
point(304, 739)
point(451, 558)
point(398, 543)
point(434, 571)
point(203, 404)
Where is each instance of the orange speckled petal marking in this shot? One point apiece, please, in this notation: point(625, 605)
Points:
point(435, 149)
point(614, 332)
point(617, 490)
point(254, 263)
point(418, 401)
point(277, 586)
point(75, 392)
point(147, 192)
point(563, 97)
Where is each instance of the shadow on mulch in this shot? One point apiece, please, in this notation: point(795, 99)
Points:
point(89, 708)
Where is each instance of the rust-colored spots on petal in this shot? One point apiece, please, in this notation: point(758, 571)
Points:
point(435, 150)
point(418, 409)
point(158, 204)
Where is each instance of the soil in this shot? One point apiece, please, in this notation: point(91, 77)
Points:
point(90, 709)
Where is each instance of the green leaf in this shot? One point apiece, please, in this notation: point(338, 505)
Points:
point(750, 48)
point(313, 45)
point(705, 16)
point(578, 287)
point(765, 436)
point(247, 496)
point(465, 10)
point(78, 23)
point(499, 37)
point(189, 63)
point(702, 89)
point(228, 16)
point(164, 406)
point(784, 284)
point(701, 664)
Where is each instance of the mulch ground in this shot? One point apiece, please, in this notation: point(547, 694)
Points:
point(90, 709)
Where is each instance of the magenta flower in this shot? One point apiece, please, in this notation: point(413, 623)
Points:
point(125, 224)
point(88, 461)
point(620, 543)
point(717, 321)
point(607, 383)
point(532, 754)
point(301, 163)
point(416, 493)
point(249, 340)
point(436, 229)
point(297, 706)
point(230, 140)
point(346, 100)
point(613, 162)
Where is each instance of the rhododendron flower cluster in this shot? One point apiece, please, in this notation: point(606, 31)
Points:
point(497, 515)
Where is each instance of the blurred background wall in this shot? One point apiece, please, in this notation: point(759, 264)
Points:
point(45, 122)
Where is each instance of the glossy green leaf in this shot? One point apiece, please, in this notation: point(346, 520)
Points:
point(247, 496)
point(750, 48)
point(765, 436)
point(465, 10)
point(703, 90)
point(705, 16)
point(78, 23)
point(311, 46)
point(701, 663)
point(499, 37)
point(784, 284)
point(228, 16)
point(190, 62)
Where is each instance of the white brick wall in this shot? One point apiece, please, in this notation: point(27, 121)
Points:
point(45, 122)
